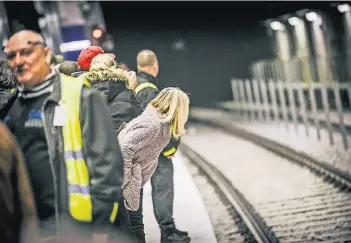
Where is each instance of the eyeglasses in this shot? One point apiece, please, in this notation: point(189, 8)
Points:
point(34, 43)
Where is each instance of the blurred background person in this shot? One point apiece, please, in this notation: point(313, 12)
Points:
point(86, 56)
point(68, 67)
point(114, 84)
point(18, 216)
point(162, 182)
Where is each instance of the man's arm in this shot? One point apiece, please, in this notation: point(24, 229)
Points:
point(102, 154)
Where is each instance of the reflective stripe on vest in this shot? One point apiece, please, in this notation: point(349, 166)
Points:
point(80, 205)
point(170, 152)
point(143, 86)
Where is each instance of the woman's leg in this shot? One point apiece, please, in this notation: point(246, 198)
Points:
point(122, 223)
point(136, 221)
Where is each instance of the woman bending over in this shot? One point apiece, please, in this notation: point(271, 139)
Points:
point(143, 139)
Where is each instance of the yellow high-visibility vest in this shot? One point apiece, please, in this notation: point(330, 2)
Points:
point(142, 86)
point(80, 204)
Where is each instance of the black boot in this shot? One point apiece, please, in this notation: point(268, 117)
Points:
point(179, 232)
point(174, 236)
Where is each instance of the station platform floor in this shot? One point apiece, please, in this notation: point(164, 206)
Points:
point(190, 213)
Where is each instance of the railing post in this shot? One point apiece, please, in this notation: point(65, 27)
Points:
point(257, 99)
point(292, 107)
point(265, 100)
point(249, 99)
point(349, 94)
point(274, 103)
point(243, 102)
point(314, 109)
point(283, 107)
point(236, 95)
point(327, 112)
point(303, 109)
point(340, 114)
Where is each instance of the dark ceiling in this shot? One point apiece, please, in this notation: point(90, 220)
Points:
point(219, 14)
point(183, 14)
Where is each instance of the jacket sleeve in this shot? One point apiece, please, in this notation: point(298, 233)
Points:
point(7, 103)
point(124, 110)
point(146, 95)
point(136, 106)
point(171, 148)
point(103, 156)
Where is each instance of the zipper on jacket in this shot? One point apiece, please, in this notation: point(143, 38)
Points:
point(52, 131)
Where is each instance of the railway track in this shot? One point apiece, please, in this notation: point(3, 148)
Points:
point(322, 215)
point(244, 213)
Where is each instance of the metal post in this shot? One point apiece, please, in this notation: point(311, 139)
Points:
point(251, 105)
point(292, 107)
point(340, 114)
point(265, 100)
point(236, 95)
point(314, 109)
point(300, 90)
point(283, 107)
point(242, 98)
point(52, 22)
point(349, 94)
point(327, 112)
point(274, 104)
point(257, 100)
point(238, 107)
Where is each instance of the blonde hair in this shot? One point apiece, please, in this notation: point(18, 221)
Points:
point(104, 68)
point(173, 104)
point(146, 58)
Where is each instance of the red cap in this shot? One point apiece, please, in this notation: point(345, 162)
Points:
point(87, 55)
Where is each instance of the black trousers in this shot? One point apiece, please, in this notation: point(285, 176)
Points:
point(163, 193)
point(137, 222)
point(162, 198)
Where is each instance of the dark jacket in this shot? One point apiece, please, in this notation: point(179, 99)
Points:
point(145, 96)
point(122, 102)
point(5, 94)
point(101, 152)
point(18, 217)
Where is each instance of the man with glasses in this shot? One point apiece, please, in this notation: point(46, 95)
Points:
point(64, 130)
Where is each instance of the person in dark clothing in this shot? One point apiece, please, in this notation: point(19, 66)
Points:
point(162, 180)
point(7, 82)
point(68, 67)
point(76, 178)
point(18, 216)
point(113, 83)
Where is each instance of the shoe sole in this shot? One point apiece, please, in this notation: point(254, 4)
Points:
point(178, 241)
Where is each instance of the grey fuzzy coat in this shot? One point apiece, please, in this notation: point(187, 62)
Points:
point(141, 141)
